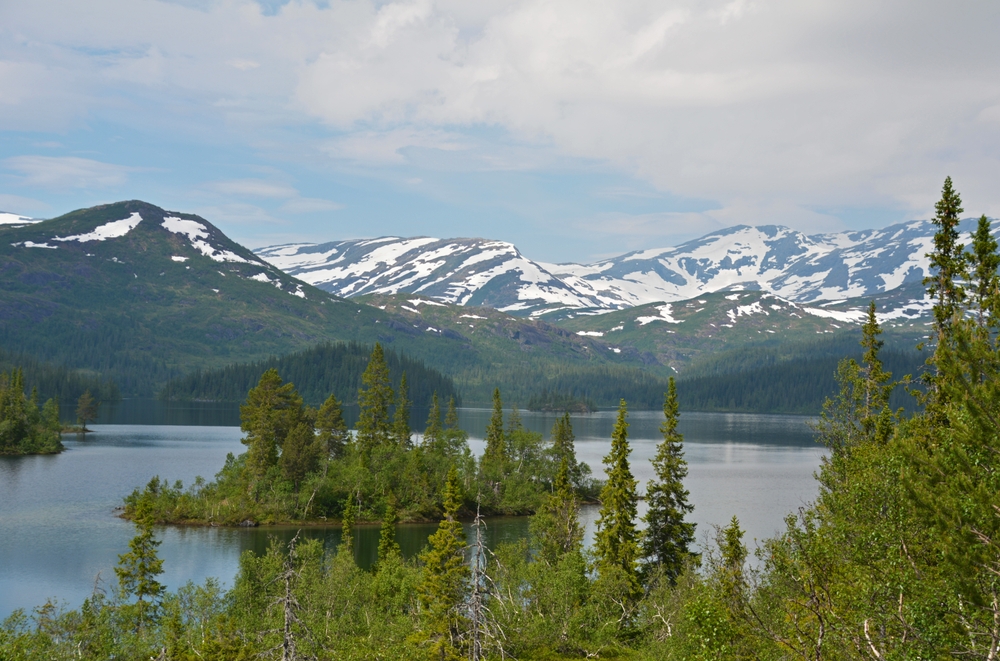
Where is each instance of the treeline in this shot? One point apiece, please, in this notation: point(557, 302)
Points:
point(109, 347)
point(303, 464)
point(548, 400)
point(25, 426)
point(328, 368)
point(764, 382)
point(58, 381)
point(603, 385)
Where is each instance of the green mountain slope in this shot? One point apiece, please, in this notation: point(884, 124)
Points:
point(141, 295)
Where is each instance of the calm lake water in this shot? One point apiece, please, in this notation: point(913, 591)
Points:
point(59, 531)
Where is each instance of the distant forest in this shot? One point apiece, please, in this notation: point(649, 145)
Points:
point(57, 381)
point(790, 378)
point(327, 368)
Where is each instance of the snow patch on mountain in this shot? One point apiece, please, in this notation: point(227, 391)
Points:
point(196, 233)
point(15, 219)
point(111, 230)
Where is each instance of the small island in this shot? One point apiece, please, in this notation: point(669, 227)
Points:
point(559, 402)
point(303, 465)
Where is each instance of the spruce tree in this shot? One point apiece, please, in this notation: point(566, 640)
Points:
point(138, 569)
point(300, 454)
point(617, 541)
point(556, 526)
point(86, 408)
point(387, 545)
point(496, 448)
point(564, 447)
point(347, 526)
point(331, 428)
point(433, 429)
point(374, 398)
point(271, 410)
point(493, 465)
point(451, 418)
point(401, 419)
point(445, 579)
point(985, 284)
point(948, 261)
point(668, 538)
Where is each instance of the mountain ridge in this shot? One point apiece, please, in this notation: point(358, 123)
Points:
point(815, 269)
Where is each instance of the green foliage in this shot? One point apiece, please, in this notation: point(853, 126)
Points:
point(331, 428)
point(137, 571)
point(401, 433)
point(327, 368)
point(26, 428)
point(86, 409)
point(617, 540)
point(556, 526)
point(271, 411)
point(548, 400)
point(445, 581)
point(948, 259)
point(668, 539)
point(374, 397)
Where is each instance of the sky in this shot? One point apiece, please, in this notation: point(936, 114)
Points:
point(576, 130)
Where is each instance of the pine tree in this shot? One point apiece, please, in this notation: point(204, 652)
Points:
point(668, 537)
point(374, 398)
point(387, 545)
point(496, 448)
point(493, 464)
point(137, 571)
point(556, 526)
point(433, 429)
point(948, 258)
point(446, 576)
point(331, 428)
point(300, 454)
point(451, 418)
point(401, 420)
point(86, 408)
point(271, 410)
point(564, 447)
point(616, 542)
point(985, 284)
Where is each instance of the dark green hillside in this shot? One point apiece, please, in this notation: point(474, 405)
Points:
point(149, 305)
point(316, 373)
point(57, 381)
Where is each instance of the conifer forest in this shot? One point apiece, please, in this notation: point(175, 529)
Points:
point(897, 558)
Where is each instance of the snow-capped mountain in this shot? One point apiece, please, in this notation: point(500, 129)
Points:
point(798, 267)
point(12, 219)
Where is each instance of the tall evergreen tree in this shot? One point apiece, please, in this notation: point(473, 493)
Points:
point(271, 410)
point(401, 419)
point(617, 540)
point(331, 428)
point(451, 417)
point(347, 526)
point(387, 545)
point(433, 429)
point(374, 398)
point(948, 261)
point(137, 572)
point(564, 447)
point(556, 526)
point(496, 447)
point(300, 454)
point(668, 538)
point(446, 576)
point(985, 284)
point(86, 408)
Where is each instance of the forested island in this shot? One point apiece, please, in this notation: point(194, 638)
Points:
point(25, 426)
point(898, 558)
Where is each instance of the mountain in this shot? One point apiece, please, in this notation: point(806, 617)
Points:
point(777, 260)
point(15, 220)
point(141, 295)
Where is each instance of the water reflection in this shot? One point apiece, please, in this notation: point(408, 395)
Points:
point(60, 530)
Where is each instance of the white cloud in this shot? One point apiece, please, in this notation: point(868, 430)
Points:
point(66, 172)
point(768, 108)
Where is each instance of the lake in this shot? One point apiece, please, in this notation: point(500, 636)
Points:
point(60, 531)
